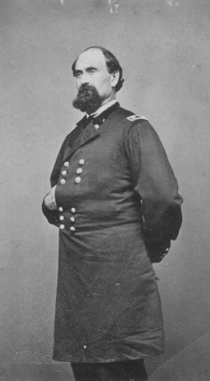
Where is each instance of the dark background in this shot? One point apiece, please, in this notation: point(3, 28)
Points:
point(163, 46)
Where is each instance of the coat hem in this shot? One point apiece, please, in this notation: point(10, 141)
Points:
point(117, 359)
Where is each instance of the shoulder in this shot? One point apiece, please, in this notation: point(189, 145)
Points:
point(128, 119)
point(133, 126)
point(134, 123)
point(139, 131)
point(134, 118)
point(128, 115)
point(74, 133)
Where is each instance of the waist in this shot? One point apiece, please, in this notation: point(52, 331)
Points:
point(85, 226)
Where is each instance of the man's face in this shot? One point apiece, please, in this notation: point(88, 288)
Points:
point(93, 81)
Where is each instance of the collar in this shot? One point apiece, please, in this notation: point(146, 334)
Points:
point(99, 119)
point(102, 108)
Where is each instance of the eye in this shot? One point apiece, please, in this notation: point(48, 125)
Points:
point(92, 71)
point(77, 74)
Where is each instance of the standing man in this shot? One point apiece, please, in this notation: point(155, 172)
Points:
point(114, 198)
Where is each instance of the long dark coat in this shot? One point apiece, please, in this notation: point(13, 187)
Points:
point(118, 205)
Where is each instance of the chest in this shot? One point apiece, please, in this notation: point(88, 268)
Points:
point(98, 164)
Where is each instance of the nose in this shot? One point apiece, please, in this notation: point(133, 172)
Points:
point(84, 78)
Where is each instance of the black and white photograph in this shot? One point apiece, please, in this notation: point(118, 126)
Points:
point(105, 187)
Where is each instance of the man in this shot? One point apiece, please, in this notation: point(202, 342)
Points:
point(114, 197)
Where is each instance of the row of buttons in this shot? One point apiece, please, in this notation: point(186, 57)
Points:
point(77, 181)
point(72, 228)
point(73, 210)
point(64, 173)
point(72, 219)
point(78, 171)
point(81, 162)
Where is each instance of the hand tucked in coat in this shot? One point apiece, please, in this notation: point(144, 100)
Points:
point(49, 200)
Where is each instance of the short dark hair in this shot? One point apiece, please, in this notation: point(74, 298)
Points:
point(111, 62)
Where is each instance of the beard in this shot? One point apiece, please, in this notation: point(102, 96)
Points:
point(88, 99)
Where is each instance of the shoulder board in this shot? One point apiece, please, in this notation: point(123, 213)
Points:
point(132, 118)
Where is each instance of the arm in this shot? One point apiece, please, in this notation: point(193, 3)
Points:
point(155, 183)
point(49, 207)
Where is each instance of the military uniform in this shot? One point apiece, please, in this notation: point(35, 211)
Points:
point(118, 210)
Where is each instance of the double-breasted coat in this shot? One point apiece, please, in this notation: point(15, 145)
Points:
point(118, 210)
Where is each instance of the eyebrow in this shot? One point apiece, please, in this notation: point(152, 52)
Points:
point(91, 68)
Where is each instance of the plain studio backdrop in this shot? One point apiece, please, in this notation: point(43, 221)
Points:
point(163, 46)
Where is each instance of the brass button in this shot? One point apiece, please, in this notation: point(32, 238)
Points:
point(72, 219)
point(61, 218)
point(77, 180)
point(73, 210)
point(66, 164)
point(64, 173)
point(60, 209)
point(62, 226)
point(81, 162)
point(72, 228)
point(63, 181)
point(79, 171)
point(97, 126)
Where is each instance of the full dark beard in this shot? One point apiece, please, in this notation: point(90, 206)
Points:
point(88, 99)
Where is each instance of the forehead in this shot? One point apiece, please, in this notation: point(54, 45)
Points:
point(91, 58)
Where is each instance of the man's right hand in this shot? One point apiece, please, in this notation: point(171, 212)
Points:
point(49, 200)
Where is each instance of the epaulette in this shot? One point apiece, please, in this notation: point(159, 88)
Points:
point(134, 117)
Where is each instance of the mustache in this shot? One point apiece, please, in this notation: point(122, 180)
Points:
point(86, 89)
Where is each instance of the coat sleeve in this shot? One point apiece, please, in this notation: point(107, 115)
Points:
point(53, 215)
point(157, 187)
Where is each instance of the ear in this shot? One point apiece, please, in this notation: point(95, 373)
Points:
point(115, 78)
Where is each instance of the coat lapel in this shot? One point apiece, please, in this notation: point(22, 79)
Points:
point(80, 138)
point(80, 135)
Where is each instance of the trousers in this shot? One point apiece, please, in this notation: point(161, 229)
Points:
point(131, 370)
